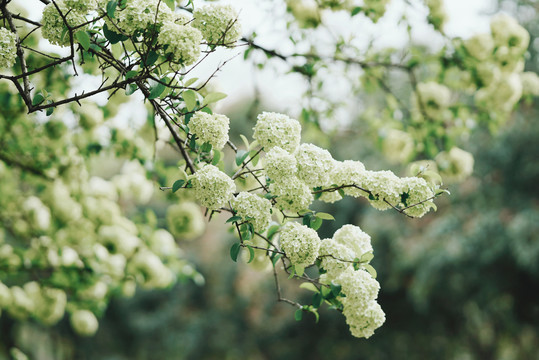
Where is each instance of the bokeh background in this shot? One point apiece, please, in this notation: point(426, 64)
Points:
point(461, 283)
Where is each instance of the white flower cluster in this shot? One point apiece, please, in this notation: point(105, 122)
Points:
point(385, 186)
point(273, 129)
point(210, 128)
point(54, 27)
point(416, 191)
point(185, 221)
point(499, 62)
point(530, 83)
point(363, 314)
point(455, 165)
point(434, 99)
point(45, 304)
point(292, 194)
point(213, 188)
point(349, 172)
point(300, 243)
point(132, 184)
point(248, 205)
point(347, 244)
point(280, 164)
point(8, 51)
point(314, 165)
point(182, 42)
point(82, 6)
point(218, 24)
point(140, 14)
point(398, 146)
point(437, 15)
point(84, 322)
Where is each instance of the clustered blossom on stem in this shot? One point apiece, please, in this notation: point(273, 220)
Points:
point(213, 188)
point(8, 50)
point(210, 128)
point(218, 24)
point(248, 205)
point(54, 26)
point(300, 243)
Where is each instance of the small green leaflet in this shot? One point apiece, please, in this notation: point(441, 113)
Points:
point(130, 74)
point(216, 157)
point(366, 257)
point(315, 223)
point(234, 251)
point(233, 219)
point(309, 286)
point(206, 147)
point(275, 259)
point(298, 315)
point(272, 230)
point(177, 185)
point(38, 99)
point(251, 253)
point(371, 270)
point(84, 39)
point(241, 155)
point(324, 216)
point(213, 97)
point(156, 90)
point(190, 82)
point(111, 8)
point(190, 99)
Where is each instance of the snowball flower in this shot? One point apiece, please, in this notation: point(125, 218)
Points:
point(253, 206)
point(480, 46)
point(384, 186)
point(314, 165)
point(185, 221)
point(280, 164)
point(506, 31)
point(182, 42)
point(81, 5)
point(363, 322)
point(54, 29)
point(300, 244)
point(8, 51)
point(455, 165)
point(415, 191)
point(210, 128)
point(213, 188)
point(218, 24)
point(354, 239)
point(139, 14)
point(530, 83)
point(434, 98)
point(84, 322)
point(38, 214)
point(398, 146)
point(292, 194)
point(273, 129)
point(349, 172)
point(332, 253)
point(359, 287)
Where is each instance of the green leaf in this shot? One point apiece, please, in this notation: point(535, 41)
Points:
point(216, 157)
point(317, 317)
point(272, 230)
point(190, 99)
point(371, 270)
point(111, 8)
point(324, 216)
point(206, 147)
point(177, 185)
point(156, 90)
point(299, 269)
point(315, 223)
point(355, 11)
point(151, 58)
point(317, 300)
point(304, 212)
point(298, 315)
point(233, 218)
point(245, 141)
point(131, 88)
point(213, 97)
point(366, 257)
point(307, 219)
point(38, 99)
point(275, 259)
point(84, 39)
point(335, 289)
point(190, 82)
point(251, 253)
point(241, 155)
point(50, 110)
point(309, 286)
point(234, 251)
point(112, 36)
point(130, 74)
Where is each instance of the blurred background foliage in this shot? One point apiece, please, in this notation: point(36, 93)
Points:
point(457, 284)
